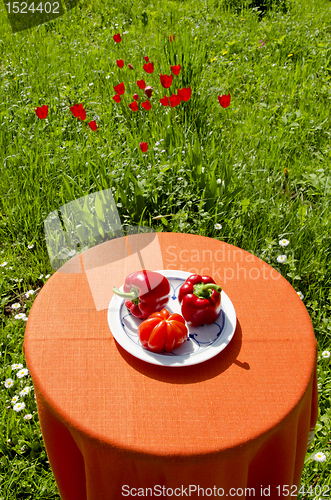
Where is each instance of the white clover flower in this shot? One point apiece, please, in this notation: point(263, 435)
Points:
point(9, 383)
point(163, 151)
point(28, 416)
point(16, 366)
point(72, 253)
point(16, 305)
point(3, 264)
point(20, 316)
point(29, 293)
point(15, 399)
point(281, 259)
point(19, 406)
point(22, 373)
point(284, 243)
point(25, 391)
point(218, 226)
point(301, 295)
point(326, 354)
point(157, 143)
point(31, 246)
point(319, 456)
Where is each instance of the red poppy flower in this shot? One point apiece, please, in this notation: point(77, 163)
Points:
point(149, 67)
point(143, 146)
point(165, 101)
point(148, 91)
point(176, 69)
point(120, 63)
point(133, 106)
point(42, 112)
point(141, 84)
point(130, 66)
point(146, 105)
point(174, 100)
point(146, 58)
point(119, 89)
point(224, 100)
point(93, 125)
point(117, 98)
point(78, 111)
point(166, 81)
point(117, 38)
point(135, 97)
point(185, 93)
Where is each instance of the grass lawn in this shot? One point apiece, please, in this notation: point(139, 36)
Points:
point(251, 174)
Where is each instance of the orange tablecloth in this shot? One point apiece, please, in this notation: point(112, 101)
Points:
point(112, 423)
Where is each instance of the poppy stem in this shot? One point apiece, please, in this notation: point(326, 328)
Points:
point(193, 119)
point(230, 128)
point(51, 138)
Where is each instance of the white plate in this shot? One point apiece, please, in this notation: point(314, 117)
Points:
point(203, 342)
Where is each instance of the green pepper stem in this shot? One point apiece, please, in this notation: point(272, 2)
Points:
point(133, 294)
point(203, 290)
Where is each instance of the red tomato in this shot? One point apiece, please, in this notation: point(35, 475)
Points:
point(163, 331)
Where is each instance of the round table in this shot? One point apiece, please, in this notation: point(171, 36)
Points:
point(115, 426)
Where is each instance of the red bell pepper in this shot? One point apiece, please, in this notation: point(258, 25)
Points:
point(145, 291)
point(163, 331)
point(200, 300)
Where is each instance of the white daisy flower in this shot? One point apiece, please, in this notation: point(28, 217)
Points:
point(25, 391)
point(20, 316)
point(284, 243)
point(28, 416)
point(29, 293)
point(16, 305)
point(19, 406)
point(16, 366)
point(40, 277)
point(319, 456)
point(3, 264)
point(30, 246)
point(219, 181)
point(22, 373)
point(301, 295)
point(326, 354)
point(9, 383)
point(281, 259)
point(218, 226)
point(47, 276)
point(72, 253)
point(25, 318)
point(15, 399)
